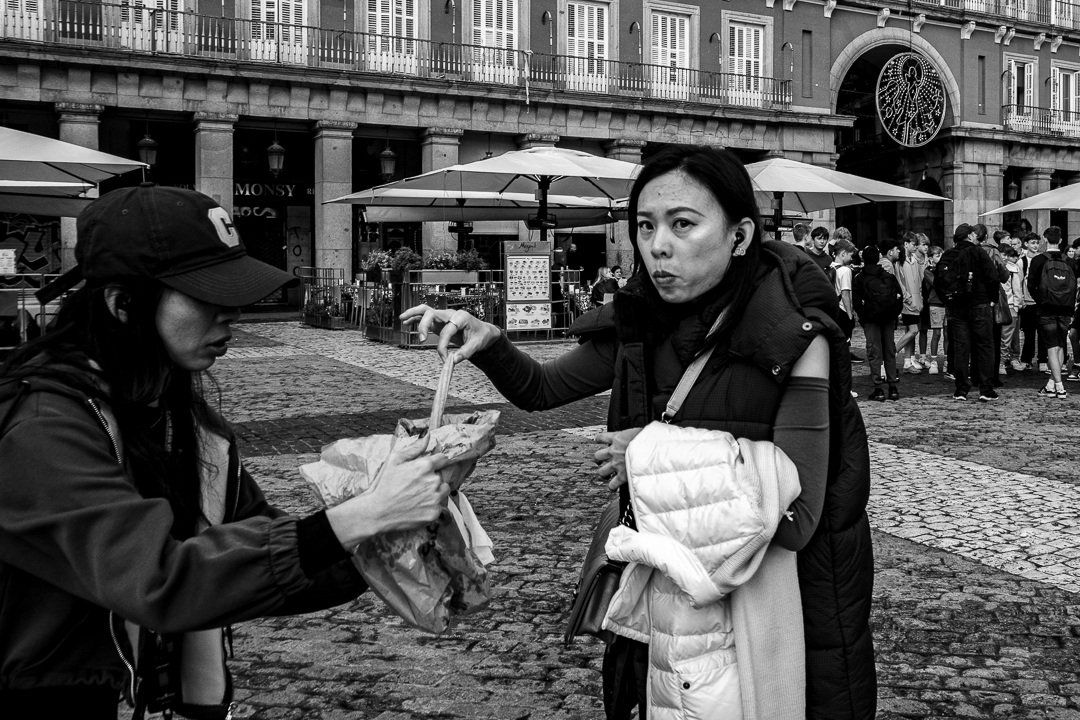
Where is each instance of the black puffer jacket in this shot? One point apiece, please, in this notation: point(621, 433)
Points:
point(740, 391)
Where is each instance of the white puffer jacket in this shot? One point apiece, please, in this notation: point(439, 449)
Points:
point(706, 507)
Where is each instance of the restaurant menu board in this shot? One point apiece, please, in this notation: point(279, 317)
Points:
point(528, 285)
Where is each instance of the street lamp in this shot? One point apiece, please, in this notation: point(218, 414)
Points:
point(148, 150)
point(1012, 191)
point(387, 162)
point(275, 156)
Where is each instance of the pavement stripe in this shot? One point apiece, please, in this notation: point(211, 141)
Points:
point(1021, 524)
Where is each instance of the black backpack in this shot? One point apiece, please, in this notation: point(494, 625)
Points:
point(951, 281)
point(1057, 283)
point(880, 297)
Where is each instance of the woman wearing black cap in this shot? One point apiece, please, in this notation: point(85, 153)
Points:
point(125, 505)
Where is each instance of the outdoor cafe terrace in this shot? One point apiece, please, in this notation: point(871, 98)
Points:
point(138, 29)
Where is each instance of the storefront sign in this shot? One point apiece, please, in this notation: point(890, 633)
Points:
point(271, 190)
point(910, 99)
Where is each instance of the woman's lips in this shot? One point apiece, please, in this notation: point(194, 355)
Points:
point(662, 277)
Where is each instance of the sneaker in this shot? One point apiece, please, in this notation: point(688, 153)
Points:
point(916, 364)
point(854, 394)
point(1044, 368)
point(1062, 394)
point(914, 368)
point(854, 357)
point(1047, 392)
point(959, 396)
point(1002, 370)
point(1074, 376)
point(894, 394)
point(988, 396)
point(949, 376)
point(1018, 366)
point(877, 395)
point(933, 367)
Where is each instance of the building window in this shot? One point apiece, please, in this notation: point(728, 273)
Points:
point(1064, 90)
point(392, 18)
point(748, 58)
point(807, 64)
point(673, 57)
point(277, 31)
point(587, 45)
point(494, 36)
point(1020, 84)
point(982, 84)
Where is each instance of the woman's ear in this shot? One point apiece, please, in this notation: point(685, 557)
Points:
point(743, 232)
point(118, 301)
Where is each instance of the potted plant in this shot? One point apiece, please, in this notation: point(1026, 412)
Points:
point(404, 259)
point(374, 264)
point(452, 268)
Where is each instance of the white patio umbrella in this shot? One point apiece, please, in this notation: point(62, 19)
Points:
point(394, 203)
point(1066, 197)
point(538, 171)
point(28, 157)
point(808, 188)
point(64, 199)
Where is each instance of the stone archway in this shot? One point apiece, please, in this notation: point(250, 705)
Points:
point(892, 36)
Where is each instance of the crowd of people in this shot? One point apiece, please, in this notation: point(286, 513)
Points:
point(994, 303)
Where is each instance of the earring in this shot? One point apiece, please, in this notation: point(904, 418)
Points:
point(740, 248)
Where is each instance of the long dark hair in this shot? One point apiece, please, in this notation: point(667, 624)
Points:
point(125, 364)
point(723, 174)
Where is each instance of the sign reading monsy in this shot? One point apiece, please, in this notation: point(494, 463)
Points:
point(910, 99)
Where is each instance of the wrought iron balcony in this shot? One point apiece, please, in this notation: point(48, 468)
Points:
point(132, 27)
point(1058, 14)
point(1041, 121)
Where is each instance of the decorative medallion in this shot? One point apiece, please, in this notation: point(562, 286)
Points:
point(910, 99)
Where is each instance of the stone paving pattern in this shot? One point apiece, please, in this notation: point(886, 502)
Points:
point(974, 512)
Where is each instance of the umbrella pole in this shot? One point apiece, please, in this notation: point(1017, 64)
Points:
point(778, 213)
point(542, 190)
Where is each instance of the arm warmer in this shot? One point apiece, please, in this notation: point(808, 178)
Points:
point(802, 432)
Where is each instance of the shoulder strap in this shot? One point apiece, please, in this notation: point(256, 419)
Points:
point(691, 374)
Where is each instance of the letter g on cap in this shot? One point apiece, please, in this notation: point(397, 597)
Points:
point(224, 227)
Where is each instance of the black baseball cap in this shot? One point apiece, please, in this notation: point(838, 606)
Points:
point(962, 231)
point(181, 238)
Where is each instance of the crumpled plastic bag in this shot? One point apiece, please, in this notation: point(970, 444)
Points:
point(429, 575)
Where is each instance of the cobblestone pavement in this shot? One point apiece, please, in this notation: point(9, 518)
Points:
point(974, 510)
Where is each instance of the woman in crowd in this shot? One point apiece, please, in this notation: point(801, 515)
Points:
point(126, 506)
point(606, 284)
point(779, 371)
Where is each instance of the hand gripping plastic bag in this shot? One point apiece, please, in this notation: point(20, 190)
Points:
point(429, 575)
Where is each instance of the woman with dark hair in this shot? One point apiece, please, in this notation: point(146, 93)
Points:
point(125, 503)
point(776, 368)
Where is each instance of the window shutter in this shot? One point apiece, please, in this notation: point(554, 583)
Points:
point(586, 31)
point(256, 20)
point(1029, 86)
point(1055, 89)
point(493, 23)
point(1075, 106)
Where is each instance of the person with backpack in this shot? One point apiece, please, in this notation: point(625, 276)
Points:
point(878, 300)
point(935, 307)
point(967, 280)
point(126, 506)
point(1033, 352)
point(1052, 283)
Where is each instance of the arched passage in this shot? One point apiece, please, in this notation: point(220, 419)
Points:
point(880, 37)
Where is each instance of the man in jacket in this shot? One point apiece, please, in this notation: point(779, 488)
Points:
point(1054, 313)
point(972, 315)
point(1029, 313)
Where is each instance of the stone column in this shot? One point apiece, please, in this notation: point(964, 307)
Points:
point(333, 178)
point(79, 124)
point(214, 156)
point(1073, 230)
point(619, 250)
point(1034, 182)
point(532, 140)
point(439, 149)
point(963, 182)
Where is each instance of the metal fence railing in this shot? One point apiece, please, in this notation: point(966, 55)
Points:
point(137, 28)
point(1041, 121)
point(1056, 13)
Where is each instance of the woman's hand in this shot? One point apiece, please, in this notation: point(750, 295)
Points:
point(407, 493)
point(470, 334)
point(612, 459)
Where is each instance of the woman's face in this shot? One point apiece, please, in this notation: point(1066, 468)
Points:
point(684, 236)
point(195, 334)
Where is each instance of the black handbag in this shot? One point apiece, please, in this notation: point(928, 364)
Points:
point(598, 583)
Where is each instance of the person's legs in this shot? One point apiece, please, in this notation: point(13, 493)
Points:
point(982, 340)
point(996, 371)
point(872, 331)
point(924, 327)
point(888, 351)
point(950, 341)
point(1029, 327)
point(1074, 342)
point(960, 350)
point(1008, 332)
point(906, 343)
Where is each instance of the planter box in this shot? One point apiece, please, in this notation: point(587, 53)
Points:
point(447, 277)
point(324, 321)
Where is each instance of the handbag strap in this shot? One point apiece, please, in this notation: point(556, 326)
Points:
point(691, 374)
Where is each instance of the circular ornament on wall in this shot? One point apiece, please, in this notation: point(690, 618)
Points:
point(910, 99)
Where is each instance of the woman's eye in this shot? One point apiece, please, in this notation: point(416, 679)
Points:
point(682, 223)
point(644, 226)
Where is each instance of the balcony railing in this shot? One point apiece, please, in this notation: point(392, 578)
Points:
point(1056, 13)
point(1041, 121)
point(130, 26)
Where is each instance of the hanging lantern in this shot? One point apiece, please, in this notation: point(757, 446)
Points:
point(275, 156)
point(388, 163)
point(1012, 192)
point(148, 150)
